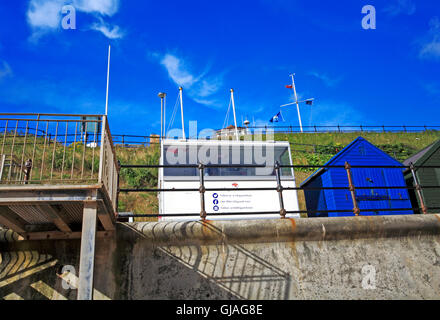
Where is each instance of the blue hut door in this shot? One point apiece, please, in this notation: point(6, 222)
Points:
point(374, 199)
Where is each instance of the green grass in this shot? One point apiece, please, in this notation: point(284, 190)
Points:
point(322, 147)
point(398, 145)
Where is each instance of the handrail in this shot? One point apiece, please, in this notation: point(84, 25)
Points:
point(279, 188)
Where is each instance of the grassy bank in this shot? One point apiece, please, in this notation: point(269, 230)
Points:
point(307, 149)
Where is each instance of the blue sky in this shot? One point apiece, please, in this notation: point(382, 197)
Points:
point(389, 75)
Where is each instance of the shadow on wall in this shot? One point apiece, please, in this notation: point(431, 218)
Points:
point(33, 270)
point(238, 272)
point(141, 268)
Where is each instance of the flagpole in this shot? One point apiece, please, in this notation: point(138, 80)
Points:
point(164, 116)
point(296, 102)
point(181, 112)
point(233, 109)
point(108, 77)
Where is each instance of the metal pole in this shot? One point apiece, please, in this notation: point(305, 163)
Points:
point(233, 109)
point(356, 210)
point(202, 191)
point(162, 97)
point(164, 115)
point(161, 117)
point(181, 111)
point(108, 78)
point(280, 190)
point(418, 189)
point(296, 101)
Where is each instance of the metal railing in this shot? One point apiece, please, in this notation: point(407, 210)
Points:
point(344, 128)
point(57, 149)
point(147, 140)
point(279, 189)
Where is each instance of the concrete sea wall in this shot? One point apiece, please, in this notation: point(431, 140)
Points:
point(385, 257)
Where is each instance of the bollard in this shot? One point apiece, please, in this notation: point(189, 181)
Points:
point(280, 190)
point(202, 191)
point(356, 209)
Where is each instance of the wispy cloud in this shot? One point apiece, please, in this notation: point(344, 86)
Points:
point(103, 7)
point(177, 71)
point(329, 81)
point(44, 16)
point(406, 7)
point(5, 70)
point(111, 32)
point(431, 45)
point(200, 86)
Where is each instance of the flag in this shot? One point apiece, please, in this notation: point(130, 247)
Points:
point(309, 102)
point(276, 117)
point(289, 86)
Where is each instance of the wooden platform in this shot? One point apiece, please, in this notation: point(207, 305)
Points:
point(53, 211)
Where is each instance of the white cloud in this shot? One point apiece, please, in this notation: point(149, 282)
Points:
point(44, 13)
point(177, 71)
point(431, 47)
point(5, 70)
point(103, 7)
point(44, 16)
point(208, 88)
point(401, 7)
point(200, 87)
point(111, 32)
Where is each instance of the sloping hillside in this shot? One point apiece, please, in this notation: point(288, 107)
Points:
point(307, 149)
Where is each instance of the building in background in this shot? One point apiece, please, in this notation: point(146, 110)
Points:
point(229, 131)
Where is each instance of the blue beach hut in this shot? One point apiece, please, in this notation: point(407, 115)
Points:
point(370, 201)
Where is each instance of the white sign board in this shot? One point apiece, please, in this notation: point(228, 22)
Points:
point(220, 202)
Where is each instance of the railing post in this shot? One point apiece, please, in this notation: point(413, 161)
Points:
point(117, 186)
point(202, 191)
point(418, 189)
point(101, 153)
point(356, 209)
point(280, 190)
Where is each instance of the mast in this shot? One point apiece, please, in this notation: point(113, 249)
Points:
point(181, 112)
point(235, 118)
point(108, 78)
point(296, 102)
